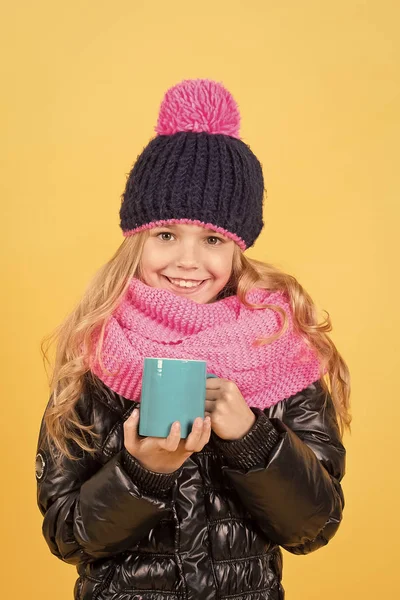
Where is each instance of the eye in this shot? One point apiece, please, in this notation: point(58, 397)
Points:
point(215, 240)
point(164, 233)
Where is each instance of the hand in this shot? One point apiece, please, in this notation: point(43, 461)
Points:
point(165, 455)
point(231, 418)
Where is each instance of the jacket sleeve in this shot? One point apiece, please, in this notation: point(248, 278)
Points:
point(93, 510)
point(287, 471)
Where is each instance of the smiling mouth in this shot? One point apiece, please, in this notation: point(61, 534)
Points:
point(185, 284)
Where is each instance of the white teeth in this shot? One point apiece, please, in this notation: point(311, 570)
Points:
point(183, 283)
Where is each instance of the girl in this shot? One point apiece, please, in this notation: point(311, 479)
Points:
point(203, 517)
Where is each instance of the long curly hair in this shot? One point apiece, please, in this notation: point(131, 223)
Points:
point(101, 297)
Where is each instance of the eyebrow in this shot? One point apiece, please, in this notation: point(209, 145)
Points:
point(176, 226)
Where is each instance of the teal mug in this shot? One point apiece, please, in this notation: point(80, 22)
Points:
point(172, 390)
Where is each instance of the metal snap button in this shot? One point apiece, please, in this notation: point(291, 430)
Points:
point(40, 465)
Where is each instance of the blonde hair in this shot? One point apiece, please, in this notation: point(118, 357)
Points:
point(74, 337)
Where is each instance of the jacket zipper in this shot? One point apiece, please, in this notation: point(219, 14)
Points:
point(105, 583)
point(178, 559)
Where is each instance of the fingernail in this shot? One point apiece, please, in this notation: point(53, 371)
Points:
point(135, 413)
point(176, 425)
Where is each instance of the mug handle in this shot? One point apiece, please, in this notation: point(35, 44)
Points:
point(209, 375)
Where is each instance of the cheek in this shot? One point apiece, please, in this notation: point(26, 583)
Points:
point(152, 258)
point(222, 265)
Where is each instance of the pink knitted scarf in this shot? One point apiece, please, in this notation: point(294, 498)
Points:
point(152, 322)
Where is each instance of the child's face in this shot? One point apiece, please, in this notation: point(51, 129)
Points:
point(187, 253)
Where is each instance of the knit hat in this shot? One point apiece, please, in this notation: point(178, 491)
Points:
point(196, 170)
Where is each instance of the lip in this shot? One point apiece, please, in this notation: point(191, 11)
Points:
point(184, 290)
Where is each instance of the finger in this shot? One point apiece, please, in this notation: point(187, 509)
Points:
point(171, 443)
point(205, 436)
point(213, 383)
point(131, 436)
point(195, 435)
point(210, 406)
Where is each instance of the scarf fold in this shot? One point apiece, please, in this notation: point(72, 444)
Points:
point(153, 322)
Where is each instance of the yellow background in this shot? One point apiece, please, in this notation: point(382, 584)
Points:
point(318, 87)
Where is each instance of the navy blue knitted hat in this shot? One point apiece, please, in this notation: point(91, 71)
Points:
point(196, 170)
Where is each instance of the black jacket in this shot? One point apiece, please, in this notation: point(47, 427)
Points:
point(211, 530)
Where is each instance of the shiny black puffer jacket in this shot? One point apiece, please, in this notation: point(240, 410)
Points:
point(211, 530)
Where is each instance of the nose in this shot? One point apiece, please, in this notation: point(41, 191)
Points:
point(187, 257)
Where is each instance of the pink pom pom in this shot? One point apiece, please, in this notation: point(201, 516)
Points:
point(198, 105)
